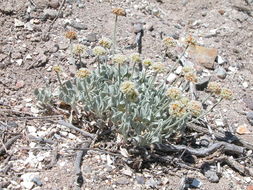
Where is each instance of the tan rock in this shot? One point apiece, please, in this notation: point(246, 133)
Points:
point(242, 129)
point(203, 56)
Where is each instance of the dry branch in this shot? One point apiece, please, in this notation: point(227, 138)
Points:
point(8, 144)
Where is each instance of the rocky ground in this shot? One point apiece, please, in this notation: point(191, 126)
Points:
point(32, 41)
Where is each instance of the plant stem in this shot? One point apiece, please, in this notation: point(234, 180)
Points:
point(133, 70)
point(114, 35)
point(59, 79)
point(119, 74)
point(206, 98)
point(153, 81)
point(87, 93)
point(178, 121)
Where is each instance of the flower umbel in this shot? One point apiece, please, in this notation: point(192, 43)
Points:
point(169, 42)
point(135, 58)
point(187, 69)
point(214, 87)
point(191, 76)
point(99, 51)
point(105, 42)
point(190, 41)
point(195, 108)
point(57, 69)
point(119, 12)
point(79, 49)
point(83, 73)
point(71, 35)
point(119, 59)
point(174, 93)
point(158, 67)
point(226, 93)
point(127, 87)
point(177, 109)
point(147, 62)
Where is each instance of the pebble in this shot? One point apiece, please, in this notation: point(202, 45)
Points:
point(178, 70)
point(172, 77)
point(221, 72)
point(202, 83)
point(219, 123)
point(196, 183)
point(140, 179)
point(248, 100)
point(19, 62)
point(220, 60)
point(212, 176)
point(249, 116)
point(18, 23)
point(49, 14)
point(54, 4)
point(245, 84)
point(20, 84)
point(77, 25)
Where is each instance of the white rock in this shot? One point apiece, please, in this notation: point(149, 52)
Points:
point(27, 185)
point(19, 61)
point(28, 57)
point(63, 133)
point(248, 179)
point(172, 77)
point(220, 60)
point(219, 123)
point(178, 70)
point(245, 84)
point(31, 129)
point(71, 136)
point(18, 23)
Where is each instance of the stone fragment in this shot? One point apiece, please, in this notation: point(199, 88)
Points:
point(172, 77)
point(92, 37)
point(220, 60)
point(249, 116)
point(196, 183)
point(202, 83)
point(248, 100)
point(20, 84)
point(140, 179)
point(54, 4)
point(221, 72)
point(18, 23)
point(219, 123)
point(78, 25)
point(203, 56)
point(49, 14)
point(242, 129)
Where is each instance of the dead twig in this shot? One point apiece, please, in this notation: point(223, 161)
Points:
point(78, 173)
point(227, 147)
point(84, 133)
point(220, 135)
point(8, 144)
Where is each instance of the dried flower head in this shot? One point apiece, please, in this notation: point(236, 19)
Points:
point(194, 108)
point(169, 42)
point(105, 42)
point(83, 73)
point(57, 69)
point(99, 51)
point(127, 87)
point(214, 87)
point(226, 93)
point(191, 76)
point(135, 58)
point(147, 62)
point(119, 12)
point(174, 93)
point(158, 67)
point(71, 35)
point(119, 59)
point(177, 109)
point(187, 69)
point(78, 49)
point(133, 95)
point(190, 41)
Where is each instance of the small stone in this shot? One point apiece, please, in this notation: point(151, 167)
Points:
point(196, 183)
point(37, 181)
point(54, 4)
point(245, 84)
point(249, 116)
point(31, 129)
point(49, 14)
point(28, 57)
point(81, 5)
point(29, 26)
point(78, 25)
point(122, 181)
point(172, 77)
point(27, 185)
point(250, 187)
point(247, 179)
point(71, 136)
point(43, 59)
point(248, 100)
point(202, 83)
point(150, 27)
point(178, 70)
point(221, 72)
point(19, 61)
point(219, 123)
point(212, 176)
point(152, 183)
point(18, 23)
point(220, 60)
point(203, 56)
point(242, 129)
point(140, 179)
point(92, 37)
point(63, 45)
point(20, 84)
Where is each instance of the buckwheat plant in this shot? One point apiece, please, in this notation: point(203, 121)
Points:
point(140, 106)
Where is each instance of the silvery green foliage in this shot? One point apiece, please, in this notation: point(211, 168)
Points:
point(43, 95)
point(142, 121)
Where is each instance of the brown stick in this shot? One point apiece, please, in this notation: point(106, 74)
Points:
point(8, 144)
point(84, 133)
